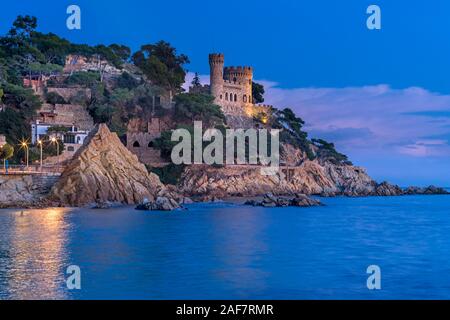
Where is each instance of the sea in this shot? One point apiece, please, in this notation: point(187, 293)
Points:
point(230, 251)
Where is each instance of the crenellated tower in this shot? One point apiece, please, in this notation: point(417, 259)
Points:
point(231, 88)
point(216, 61)
point(242, 76)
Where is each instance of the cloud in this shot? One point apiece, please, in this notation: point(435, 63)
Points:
point(374, 119)
point(371, 119)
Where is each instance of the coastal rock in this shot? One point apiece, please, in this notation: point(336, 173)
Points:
point(247, 181)
point(24, 190)
point(387, 189)
point(302, 200)
point(426, 191)
point(160, 204)
point(103, 171)
point(270, 201)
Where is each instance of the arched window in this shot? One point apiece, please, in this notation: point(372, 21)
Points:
point(220, 97)
point(245, 98)
point(226, 96)
point(151, 144)
point(235, 97)
point(234, 79)
point(136, 144)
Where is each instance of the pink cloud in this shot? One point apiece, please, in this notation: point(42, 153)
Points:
point(370, 119)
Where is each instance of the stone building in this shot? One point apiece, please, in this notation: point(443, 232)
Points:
point(75, 118)
point(35, 82)
point(140, 137)
point(231, 88)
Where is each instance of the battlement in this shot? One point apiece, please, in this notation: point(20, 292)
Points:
point(239, 69)
point(230, 86)
point(216, 58)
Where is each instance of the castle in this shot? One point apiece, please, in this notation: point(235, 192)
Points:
point(231, 88)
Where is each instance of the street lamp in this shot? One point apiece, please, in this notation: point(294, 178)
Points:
point(24, 144)
point(40, 145)
point(54, 140)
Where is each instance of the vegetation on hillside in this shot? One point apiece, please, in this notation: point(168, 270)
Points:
point(153, 71)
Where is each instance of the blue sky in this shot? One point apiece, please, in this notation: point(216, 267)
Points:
point(382, 96)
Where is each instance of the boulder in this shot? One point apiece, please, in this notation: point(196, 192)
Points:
point(103, 170)
point(270, 201)
point(160, 204)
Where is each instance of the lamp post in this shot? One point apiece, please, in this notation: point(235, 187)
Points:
point(25, 145)
point(40, 145)
point(54, 140)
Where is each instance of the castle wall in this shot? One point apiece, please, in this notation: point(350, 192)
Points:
point(230, 86)
point(140, 135)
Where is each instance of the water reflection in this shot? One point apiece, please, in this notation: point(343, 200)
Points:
point(240, 241)
point(36, 254)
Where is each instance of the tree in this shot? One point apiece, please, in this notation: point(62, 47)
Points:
point(121, 52)
point(21, 99)
point(292, 132)
point(53, 48)
point(54, 98)
point(257, 92)
point(326, 151)
point(198, 106)
point(127, 81)
point(6, 152)
point(161, 64)
point(85, 79)
point(23, 26)
point(196, 81)
point(13, 124)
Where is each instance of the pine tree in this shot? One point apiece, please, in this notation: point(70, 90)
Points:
point(196, 81)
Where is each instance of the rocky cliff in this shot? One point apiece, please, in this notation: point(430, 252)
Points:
point(17, 190)
point(103, 170)
point(310, 177)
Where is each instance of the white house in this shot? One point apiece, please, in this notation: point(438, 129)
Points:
point(72, 138)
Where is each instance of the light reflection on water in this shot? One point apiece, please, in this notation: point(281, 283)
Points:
point(224, 251)
point(34, 255)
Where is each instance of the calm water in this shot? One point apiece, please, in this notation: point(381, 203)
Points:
point(227, 251)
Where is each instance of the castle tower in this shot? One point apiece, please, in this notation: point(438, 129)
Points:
point(216, 61)
point(242, 76)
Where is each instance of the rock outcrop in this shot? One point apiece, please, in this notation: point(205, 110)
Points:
point(310, 178)
point(269, 200)
point(160, 204)
point(102, 171)
point(24, 191)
